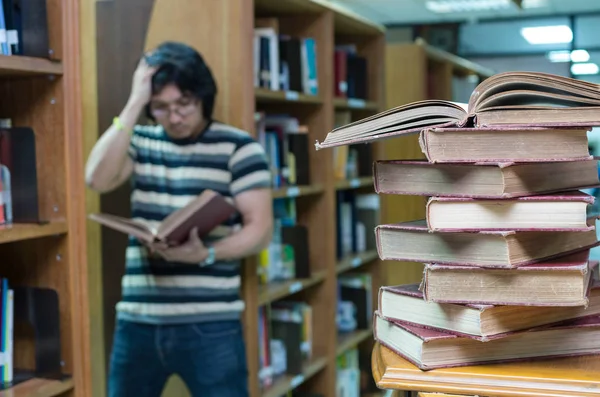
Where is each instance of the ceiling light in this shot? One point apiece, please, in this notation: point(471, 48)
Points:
point(568, 56)
point(584, 68)
point(580, 56)
point(559, 56)
point(448, 6)
point(534, 3)
point(558, 34)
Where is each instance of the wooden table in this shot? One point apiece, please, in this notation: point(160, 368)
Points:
point(565, 377)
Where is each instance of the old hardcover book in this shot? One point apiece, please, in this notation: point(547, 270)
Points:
point(429, 349)
point(505, 99)
point(205, 213)
point(564, 281)
point(555, 212)
point(483, 180)
point(406, 303)
point(504, 144)
point(413, 242)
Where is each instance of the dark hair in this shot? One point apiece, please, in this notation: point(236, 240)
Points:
point(183, 66)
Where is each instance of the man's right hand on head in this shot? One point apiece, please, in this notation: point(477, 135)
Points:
point(141, 88)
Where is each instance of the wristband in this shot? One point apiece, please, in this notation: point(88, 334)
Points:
point(211, 257)
point(119, 125)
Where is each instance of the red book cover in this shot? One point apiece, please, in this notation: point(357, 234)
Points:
point(340, 74)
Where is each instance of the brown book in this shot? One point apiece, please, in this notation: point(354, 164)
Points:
point(205, 212)
point(564, 281)
point(414, 242)
point(429, 349)
point(510, 98)
point(505, 144)
point(484, 180)
point(406, 303)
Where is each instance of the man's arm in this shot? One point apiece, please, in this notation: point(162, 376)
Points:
point(109, 164)
point(256, 208)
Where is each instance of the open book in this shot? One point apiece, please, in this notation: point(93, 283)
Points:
point(509, 98)
point(205, 212)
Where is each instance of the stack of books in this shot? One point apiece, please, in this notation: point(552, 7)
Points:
point(506, 240)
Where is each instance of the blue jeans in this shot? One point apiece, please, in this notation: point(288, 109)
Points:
point(209, 357)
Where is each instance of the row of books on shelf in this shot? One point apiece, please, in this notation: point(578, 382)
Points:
point(287, 145)
point(284, 62)
point(506, 239)
point(287, 256)
point(24, 28)
point(286, 332)
point(289, 63)
point(351, 161)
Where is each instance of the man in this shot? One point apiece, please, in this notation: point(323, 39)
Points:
point(180, 307)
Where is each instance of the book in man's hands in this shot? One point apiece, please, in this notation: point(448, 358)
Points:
point(510, 98)
point(205, 213)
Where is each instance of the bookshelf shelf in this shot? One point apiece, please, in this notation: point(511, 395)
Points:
point(14, 65)
point(286, 383)
point(297, 191)
point(39, 388)
point(274, 291)
point(460, 66)
point(355, 104)
point(355, 261)
point(266, 96)
point(19, 232)
point(354, 183)
point(347, 341)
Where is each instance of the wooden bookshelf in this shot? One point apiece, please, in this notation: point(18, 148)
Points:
point(426, 73)
point(13, 66)
point(297, 191)
point(23, 231)
point(44, 95)
point(40, 388)
point(229, 52)
point(266, 96)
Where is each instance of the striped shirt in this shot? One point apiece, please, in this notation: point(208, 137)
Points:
point(167, 175)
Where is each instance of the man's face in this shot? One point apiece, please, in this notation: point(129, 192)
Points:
point(178, 113)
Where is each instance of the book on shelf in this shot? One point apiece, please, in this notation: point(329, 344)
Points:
point(503, 100)
point(284, 62)
point(406, 303)
point(429, 349)
point(350, 73)
point(491, 180)
point(205, 212)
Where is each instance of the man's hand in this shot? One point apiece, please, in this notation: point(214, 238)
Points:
point(192, 251)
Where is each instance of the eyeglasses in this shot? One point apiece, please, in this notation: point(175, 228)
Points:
point(184, 108)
